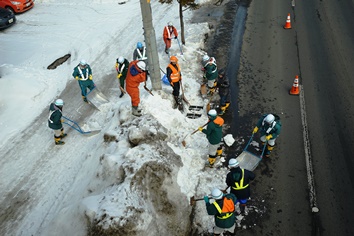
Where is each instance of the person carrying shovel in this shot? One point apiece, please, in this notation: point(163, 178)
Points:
point(174, 76)
point(122, 66)
point(222, 209)
point(238, 179)
point(213, 133)
point(137, 73)
point(270, 127)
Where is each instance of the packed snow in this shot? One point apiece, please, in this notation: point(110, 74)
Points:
point(134, 177)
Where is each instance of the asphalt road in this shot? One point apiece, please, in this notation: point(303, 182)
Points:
point(312, 164)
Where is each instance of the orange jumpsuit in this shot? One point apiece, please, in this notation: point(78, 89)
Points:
point(134, 77)
point(167, 35)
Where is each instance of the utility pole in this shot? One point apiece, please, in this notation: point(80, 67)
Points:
point(151, 48)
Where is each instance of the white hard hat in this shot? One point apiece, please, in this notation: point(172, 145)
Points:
point(212, 112)
point(233, 163)
point(120, 60)
point(83, 62)
point(216, 193)
point(169, 23)
point(59, 102)
point(206, 58)
point(141, 65)
point(269, 119)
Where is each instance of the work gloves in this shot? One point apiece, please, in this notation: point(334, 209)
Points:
point(269, 137)
point(119, 75)
point(255, 130)
point(77, 77)
point(90, 77)
point(206, 199)
point(200, 129)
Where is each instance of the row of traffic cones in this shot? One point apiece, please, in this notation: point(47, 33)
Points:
point(295, 88)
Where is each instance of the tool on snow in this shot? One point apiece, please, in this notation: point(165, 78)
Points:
point(76, 127)
point(180, 48)
point(122, 89)
point(195, 131)
point(203, 90)
point(148, 90)
point(184, 97)
point(248, 160)
point(96, 98)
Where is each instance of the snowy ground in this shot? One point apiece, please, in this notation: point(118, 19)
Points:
point(140, 181)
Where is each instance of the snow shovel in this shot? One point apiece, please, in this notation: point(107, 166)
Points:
point(148, 90)
point(195, 131)
point(96, 98)
point(76, 127)
point(248, 160)
point(180, 48)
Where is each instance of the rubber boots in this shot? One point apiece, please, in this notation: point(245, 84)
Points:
point(211, 160)
point(219, 151)
point(227, 104)
point(58, 141)
point(136, 111)
point(222, 110)
point(84, 99)
point(62, 134)
point(268, 151)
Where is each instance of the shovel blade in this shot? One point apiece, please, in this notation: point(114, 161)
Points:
point(97, 98)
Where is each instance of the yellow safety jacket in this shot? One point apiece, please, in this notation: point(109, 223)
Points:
point(227, 210)
point(239, 186)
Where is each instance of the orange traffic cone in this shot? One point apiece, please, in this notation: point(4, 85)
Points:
point(295, 89)
point(287, 24)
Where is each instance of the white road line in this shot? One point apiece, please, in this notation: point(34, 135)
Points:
point(310, 177)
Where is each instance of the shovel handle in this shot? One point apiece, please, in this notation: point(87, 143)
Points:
point(195, 131)
point(149, 91)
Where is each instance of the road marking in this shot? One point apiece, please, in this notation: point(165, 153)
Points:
point(310, 176)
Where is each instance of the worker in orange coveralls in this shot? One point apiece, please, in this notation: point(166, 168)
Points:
point(169, 33)
point(137, 73)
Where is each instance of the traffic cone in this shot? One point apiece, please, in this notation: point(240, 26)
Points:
point(295, 89)
point(287, 23)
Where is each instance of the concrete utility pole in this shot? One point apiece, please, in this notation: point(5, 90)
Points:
point(150, 41)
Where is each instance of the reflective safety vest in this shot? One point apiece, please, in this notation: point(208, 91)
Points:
point(239, 185)
point(176, 73)
point(227, 210)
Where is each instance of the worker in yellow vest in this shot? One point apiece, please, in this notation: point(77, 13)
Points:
point(223, 210)
point(238, 179)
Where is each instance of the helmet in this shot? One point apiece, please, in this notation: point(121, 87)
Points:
point(59, 102)
point(120, 60)
point(83, 63)
point(173, 59)
point(212, 112)
point(206, 58)
point(141, 65)
point(221, 72)
point(139, 45)
point(216, 193)
point(269, 119)
point(169, 23)
point(233, 163)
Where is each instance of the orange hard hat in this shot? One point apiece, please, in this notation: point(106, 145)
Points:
point(173, 59)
